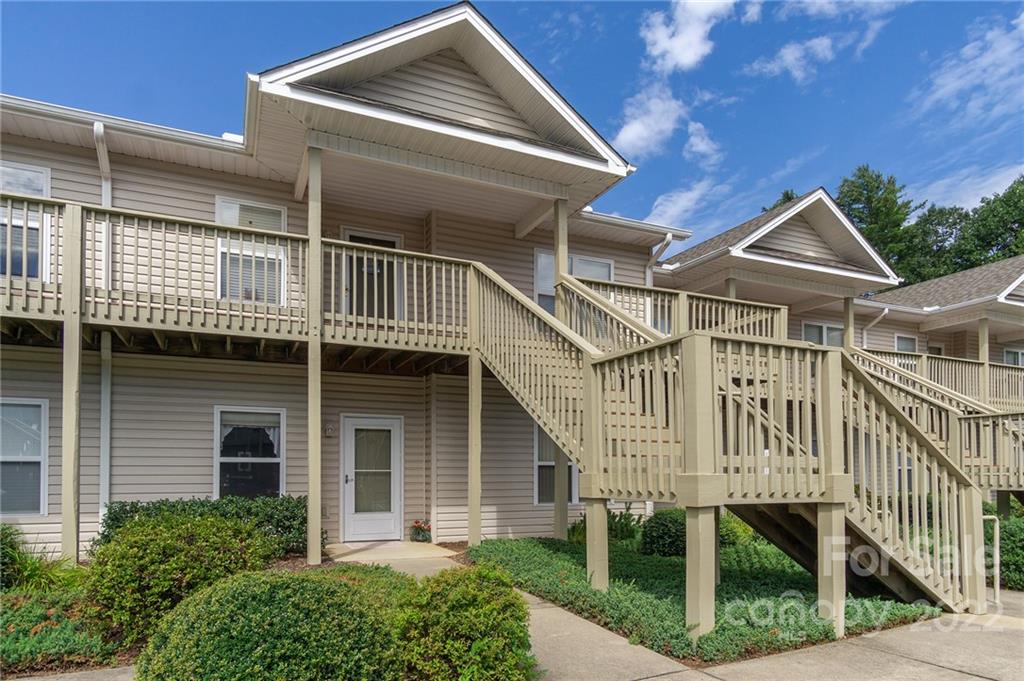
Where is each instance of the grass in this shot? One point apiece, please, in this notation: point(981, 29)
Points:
point(765, 602)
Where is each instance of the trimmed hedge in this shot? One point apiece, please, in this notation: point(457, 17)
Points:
point(44, 631)
point(664, 533)
point(153, 563)
point(1011, 551)
point(283, 519)
point(468, 624)
point(275, 625)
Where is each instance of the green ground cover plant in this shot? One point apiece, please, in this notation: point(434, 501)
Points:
point(765, 602)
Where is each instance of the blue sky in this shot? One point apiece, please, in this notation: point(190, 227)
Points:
point(720, 105)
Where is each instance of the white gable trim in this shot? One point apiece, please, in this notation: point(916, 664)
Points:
point(819, 195)
point(412, 120)
point(292, 73)
point(863, 276)
point(1002, 297)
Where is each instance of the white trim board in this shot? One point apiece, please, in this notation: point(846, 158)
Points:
point(218, 409)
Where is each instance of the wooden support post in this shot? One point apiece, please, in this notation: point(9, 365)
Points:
point(973, 558)
point(314, 322)
point(106, 387)
point(473, 489)
point(718, 545)
point(71, 382)
point(597, 543)
point(700, 569)
point(680, 315)
point(730, 287)
point(983, 353)
point(560, 520)
point(849, 323)
point(832, 565)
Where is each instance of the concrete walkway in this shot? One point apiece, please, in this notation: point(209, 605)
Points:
point(419, 559)
point(569, 648)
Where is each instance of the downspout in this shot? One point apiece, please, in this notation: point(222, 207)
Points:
point(655, 256)
point(867, 327)
point(106, 355)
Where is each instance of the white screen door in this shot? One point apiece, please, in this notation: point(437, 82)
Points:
point(371, 473)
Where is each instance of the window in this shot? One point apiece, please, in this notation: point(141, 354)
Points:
point(30, 244)
point(249, 452)
point(937, 349)
point(253, 273)
point(823, 334)
point(245, 213)
point(544, 450)
point(18, 178)
point(1014, 356)
point(23, 450)
point(906, 343)
point(579, 265)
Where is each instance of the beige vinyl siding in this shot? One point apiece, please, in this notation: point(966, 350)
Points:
point(36, 373)
point(796, 235)
point(507, 507)
point(494, 244)
point(74, 172)
point(445, 86)
point(336, 218)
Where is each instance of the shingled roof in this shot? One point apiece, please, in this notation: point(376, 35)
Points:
point(976, 283)
point(733, 236)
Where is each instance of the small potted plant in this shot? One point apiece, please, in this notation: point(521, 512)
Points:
point(420, 531)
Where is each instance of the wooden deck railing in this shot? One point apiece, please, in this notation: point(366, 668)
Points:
point(674, 312)
point(539, 360)
point(912, 500)
point(876, 365)
point(593, 317)
point(395, 299)
point(992, 450)
point(166, 273)
point(31, 252)
point(1006, 386)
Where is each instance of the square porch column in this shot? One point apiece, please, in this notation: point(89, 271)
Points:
point(983, 357)
point(560, 521)
point(314, 321)
point(474, 482)
point(71, 383)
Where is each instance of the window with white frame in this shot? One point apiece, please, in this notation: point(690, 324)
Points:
point(1014, 356)
point(579, 265)
point(937, 349)
point(29, 243)
point(245, 213)
point(23, 450)
point(251, 272)
point(906, 343)
point(249, 451)
point(545, 452)
point(823, 334)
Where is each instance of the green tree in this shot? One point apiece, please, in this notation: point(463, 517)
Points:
point(879, 207)
point(995, 230)
point(928, 243)
point(785, 197)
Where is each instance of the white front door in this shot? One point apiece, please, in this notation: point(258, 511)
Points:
point(371, 474)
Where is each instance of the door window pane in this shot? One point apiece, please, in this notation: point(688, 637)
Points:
point(906, 344)
point(22, 448)
point(1014, 357)
point(813, 333)
point(372, 470)
point(374, 285)
point(250, 453)
point(588, 268)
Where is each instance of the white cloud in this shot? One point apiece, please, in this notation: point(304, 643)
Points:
point(792, 165)
point(875, 27)
point(983, 81)
point(680, 41)
point(700, 148)
point(831, 9)
point(752, 12)
point(967, 186)
point(651, 117)
point(797, 59)
point(674, 207)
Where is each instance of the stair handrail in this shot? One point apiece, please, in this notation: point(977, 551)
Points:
point(632, 326)
point(953, 395)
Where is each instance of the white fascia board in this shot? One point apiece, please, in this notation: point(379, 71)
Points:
point(632, 224)
point(55, 112)
point(824, 269)
point(822, 195)
point(292, 73)
point(409, 120)
point(1002, 297)
point(902, 309)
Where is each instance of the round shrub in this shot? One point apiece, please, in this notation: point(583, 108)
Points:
point(733, 531)
point(274, 625)
point(151, 564)
point(468, 623)
point(664, 533)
